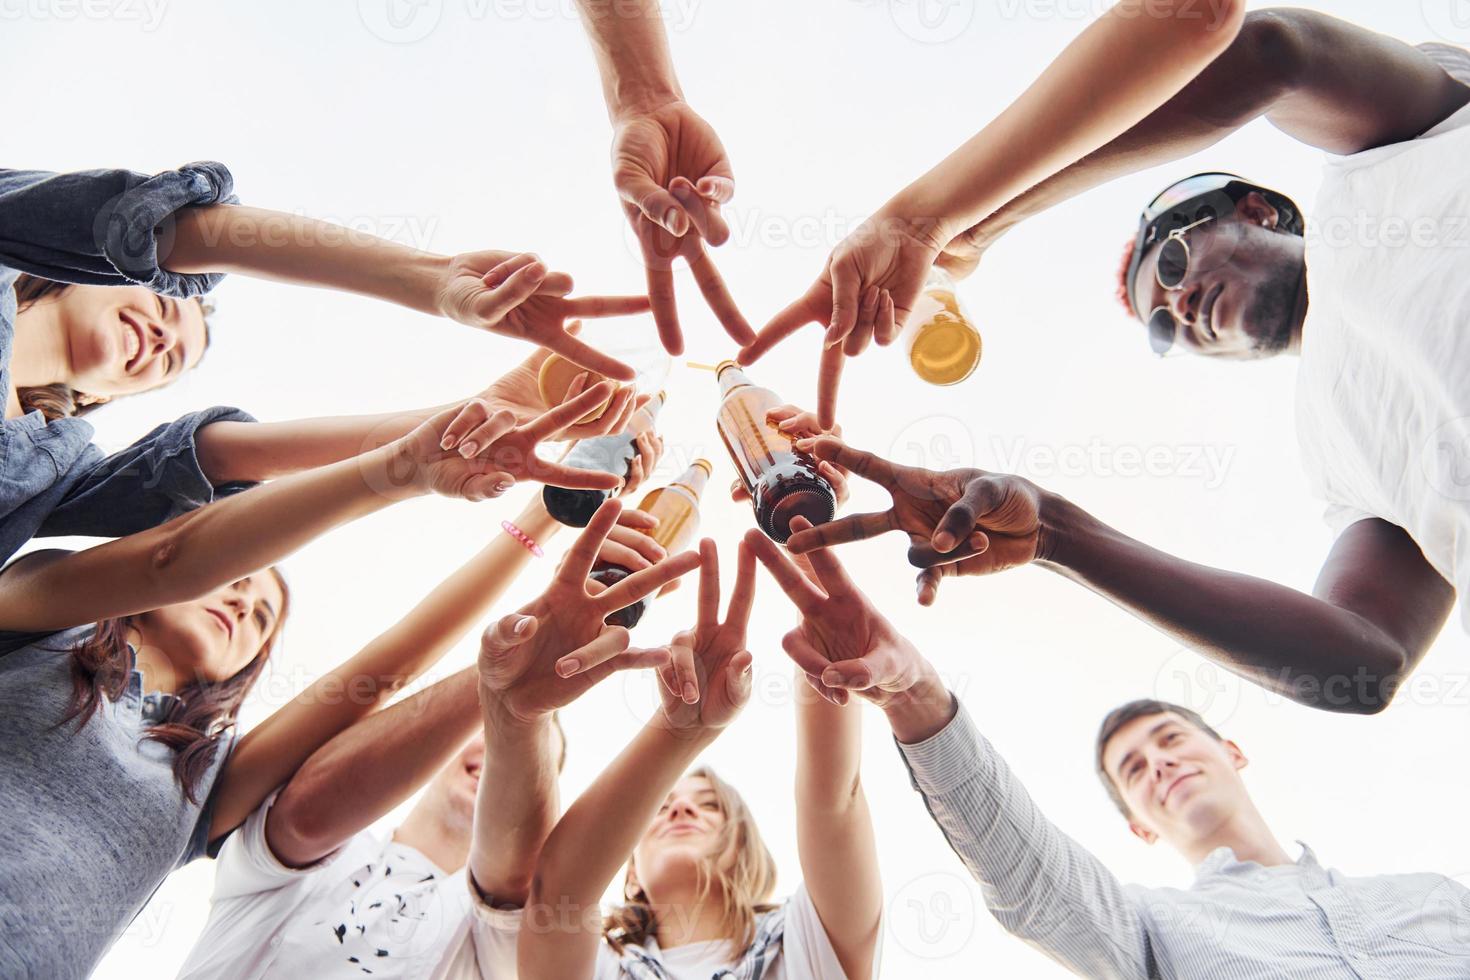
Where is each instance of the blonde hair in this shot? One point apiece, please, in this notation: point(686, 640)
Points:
point(740, 863)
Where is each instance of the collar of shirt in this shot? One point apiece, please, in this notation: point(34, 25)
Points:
point(1222, 861)
point(154, 706)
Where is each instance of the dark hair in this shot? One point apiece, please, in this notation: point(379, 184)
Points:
point(193, 722)
point(1121, 716)
point(59, 401)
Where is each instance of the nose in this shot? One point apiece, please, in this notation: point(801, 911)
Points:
point(1184, 303)
point(681, 809)
point(161, 338)
point(1164, 766)
point(235, 603)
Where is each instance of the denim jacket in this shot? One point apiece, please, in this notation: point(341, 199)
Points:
point(97, 227)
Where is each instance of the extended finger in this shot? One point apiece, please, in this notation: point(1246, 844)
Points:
point(805, 596)
point(568, 412)
point(642, 584)
point(737, 615)
point(709, 585)
point(927, 584)
point(570, 478)
point(717, 295)
point(592, 307)
point(636, 519)
point(620, 554)
point(829, 378)
point(665, 311)
point(811, 307)
point(580, 557)
point(830, 573)
point(835, 478)
point(612, 641)
point(867, 465)
point(854, 527)
point(583, 355)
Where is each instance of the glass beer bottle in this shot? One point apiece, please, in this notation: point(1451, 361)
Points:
point(677, 508)
point(943, 346)
point(782, 482)
point(610, 454)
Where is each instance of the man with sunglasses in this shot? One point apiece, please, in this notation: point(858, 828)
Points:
point(1372, 292)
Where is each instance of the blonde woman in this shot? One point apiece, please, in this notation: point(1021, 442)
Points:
point(698, 885)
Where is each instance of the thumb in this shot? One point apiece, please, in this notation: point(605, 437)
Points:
point(656, 203)
point(848, 674)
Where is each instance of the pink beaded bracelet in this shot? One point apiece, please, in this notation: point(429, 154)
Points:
point(528, 542)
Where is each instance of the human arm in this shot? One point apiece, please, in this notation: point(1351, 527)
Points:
point(1324, 81)
point(703, 688)
point(1376, 607)
point(521, 687)
point(509, 293)
point(219, 544)
point(872, 280)
point(250, 452)
point(669, 167)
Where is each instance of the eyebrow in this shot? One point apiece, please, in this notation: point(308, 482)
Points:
point(1123, 762)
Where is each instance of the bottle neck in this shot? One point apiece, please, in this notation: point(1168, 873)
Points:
point(694, 479)
point(732, 377)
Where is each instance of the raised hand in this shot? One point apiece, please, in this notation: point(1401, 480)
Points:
point(707, 678)
point(468, 451)
point(673, 176)
point(866, 291)
point(516, 295)
point(518, 393)
point(985, 522)
point(533, 678)
point(842, 644)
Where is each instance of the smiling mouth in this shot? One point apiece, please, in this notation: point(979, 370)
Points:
point(132, 342)
point(1175, 785)
point(1207, 312)
point(224, 621)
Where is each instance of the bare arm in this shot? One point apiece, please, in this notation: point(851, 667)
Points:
point(517, 803)
point(1376, 608)
point(252, 452)
point(1324, 81)
point(632, 54)
point(368, 769)
point(342, 789)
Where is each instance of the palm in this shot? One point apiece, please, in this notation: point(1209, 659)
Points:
point(519, 392)
point(534, 679)
point(707, 679)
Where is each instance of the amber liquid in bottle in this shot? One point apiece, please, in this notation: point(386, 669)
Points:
point(677, 508)
point(943, 345)
point(610, 454)
point(782, 482)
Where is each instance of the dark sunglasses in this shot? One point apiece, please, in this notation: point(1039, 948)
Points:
point(1172, 267)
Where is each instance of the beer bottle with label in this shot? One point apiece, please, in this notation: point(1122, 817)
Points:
point(677, 508)
point(610, 454)
point(942, 344)
point(782, 482)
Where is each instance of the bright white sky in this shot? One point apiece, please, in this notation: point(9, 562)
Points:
point(486, 129)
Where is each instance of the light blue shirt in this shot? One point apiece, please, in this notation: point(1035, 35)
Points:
point(1238, 920)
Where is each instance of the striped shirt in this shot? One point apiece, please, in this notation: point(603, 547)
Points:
point(1238, 919)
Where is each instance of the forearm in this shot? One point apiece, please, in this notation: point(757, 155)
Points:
point(194, 554)
point(245, 452)
point(343, 696)
point(1300, 646)
point(1062, 117)
point(834, 827)
point(632, 54)
point(591, 842)
point(1040, 885)
point(303, 251)
point(517, 803)
point(369, 769)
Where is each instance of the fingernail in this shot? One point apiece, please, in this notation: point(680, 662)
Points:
point(831, 678)
point(467, 449)
point(690, 693)
point(669, 217)
point(944, 541)
point(568, 667)
point(521, 624)
point(446, 442)
point(501, 486)
point(536, 270)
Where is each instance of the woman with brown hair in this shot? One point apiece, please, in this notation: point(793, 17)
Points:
point(122, 669)
point(101, 274)
point(699, 880)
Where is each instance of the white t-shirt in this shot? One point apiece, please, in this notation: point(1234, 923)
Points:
point(805, 952)
point(372, 908)
point(1383, 390)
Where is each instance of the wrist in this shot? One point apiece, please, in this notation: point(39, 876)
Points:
point(921, 711)
point(1060, 522)
point(693, 737)
point(630, 98)
point(924, 214)
point(501, 716)
point(535, 520)
point(393, 471)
